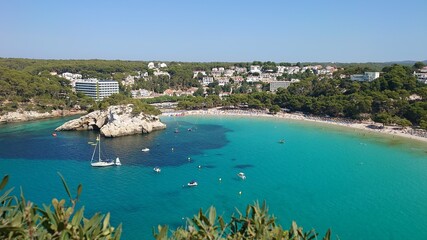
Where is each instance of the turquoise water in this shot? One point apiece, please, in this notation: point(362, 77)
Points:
point(362, 186)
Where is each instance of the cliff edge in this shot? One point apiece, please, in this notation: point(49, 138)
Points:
point(116, 121)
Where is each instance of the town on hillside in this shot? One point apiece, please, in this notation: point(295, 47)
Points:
point(229, 79)
point(383, 92)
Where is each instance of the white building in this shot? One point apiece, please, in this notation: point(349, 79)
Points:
point(217, 72)
point(129, 80)
point(366, 77)
point(71, 76)
point(421, 77)
point(207, 80)
point(238, 79)
point(159, 73)
point(229, 73)
point(223, 80)
point(255, 69)
point(162, 65)
point(274, 85)
point(97, 89)
point(267, 77)
point(140, 93)
point(151, 65)
point(253, 79)
point(240, 70)
point(281, 69)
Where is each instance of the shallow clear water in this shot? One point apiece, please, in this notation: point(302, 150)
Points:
point(362, 186)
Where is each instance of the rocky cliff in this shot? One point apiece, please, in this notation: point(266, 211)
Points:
point(114, 122)
point(22, 116)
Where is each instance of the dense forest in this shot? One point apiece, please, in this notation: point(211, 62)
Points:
point(396, 97)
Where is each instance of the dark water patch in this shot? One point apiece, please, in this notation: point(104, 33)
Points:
point(243, 166)
point(34, 141)
point(233, 159)
point(131, 208)
point(209, 166)
point(171, 193)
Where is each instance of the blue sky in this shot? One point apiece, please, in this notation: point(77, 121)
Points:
point(205, 31)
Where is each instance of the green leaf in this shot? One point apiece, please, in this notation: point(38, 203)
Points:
point(4, 182)
point(212, 215)
point(65, 185)
point(77, 217)
point(106, 221)
point(221, 223)
point(327, 235)
point(118, 232)
point(79, 191)
point(4, 196)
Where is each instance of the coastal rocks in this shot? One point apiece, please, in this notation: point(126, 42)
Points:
point(22, 116)
point(115, 121)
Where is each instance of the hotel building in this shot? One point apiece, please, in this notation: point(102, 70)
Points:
point(97, 89)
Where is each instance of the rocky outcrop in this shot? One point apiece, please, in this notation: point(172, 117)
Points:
point(22, 116)
point(115, 121)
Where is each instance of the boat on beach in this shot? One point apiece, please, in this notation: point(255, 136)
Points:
point(241, 175)
point(102, 162)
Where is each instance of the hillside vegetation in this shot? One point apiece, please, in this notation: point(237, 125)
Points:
point(396, 97)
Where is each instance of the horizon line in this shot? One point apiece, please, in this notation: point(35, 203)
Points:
point(128, 60)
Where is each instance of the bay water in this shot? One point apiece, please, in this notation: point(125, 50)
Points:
point(361, 185)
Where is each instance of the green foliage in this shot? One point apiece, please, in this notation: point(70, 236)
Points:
point(138, 104)
point(27, 84)
point(418, 65)
point(22, 219)
point(255, 223)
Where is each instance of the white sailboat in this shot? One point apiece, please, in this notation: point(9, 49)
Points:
point(100, 162)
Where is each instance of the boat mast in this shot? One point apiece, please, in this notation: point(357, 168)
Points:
point(99, 153)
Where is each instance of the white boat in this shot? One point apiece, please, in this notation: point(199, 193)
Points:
point(241, 175)
point(145, 149)
point(192, 184)
point(102, 162)
point(157, 169)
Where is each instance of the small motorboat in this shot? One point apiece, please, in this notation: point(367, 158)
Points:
point(192, 184)
point(157, 169)
point(189, 129)
point(282, 141)
point(241, 175)
point(117, 162)
point(54, 134)
point(176, 130)
point(145, 150)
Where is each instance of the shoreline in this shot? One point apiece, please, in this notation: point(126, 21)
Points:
point(27, 116)
point(363, 125)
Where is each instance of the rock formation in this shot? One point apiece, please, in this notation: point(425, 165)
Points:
point(115, 121)
point(22, 116)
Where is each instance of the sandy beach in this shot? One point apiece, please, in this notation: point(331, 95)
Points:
point(358, 125)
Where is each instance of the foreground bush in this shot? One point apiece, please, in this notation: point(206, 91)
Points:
point(256, 223)
point(22, 219)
